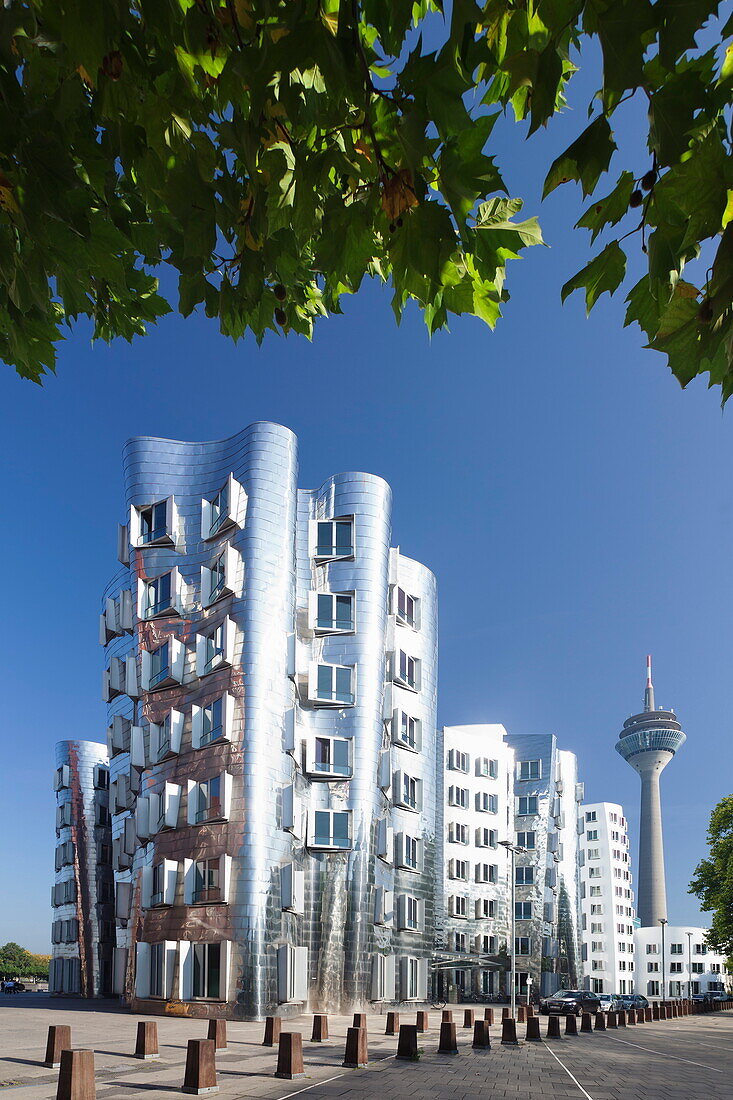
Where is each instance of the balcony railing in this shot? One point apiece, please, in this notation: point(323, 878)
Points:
point(158, 677)
point(153, 535)
point(209, 813)
point(207, 894)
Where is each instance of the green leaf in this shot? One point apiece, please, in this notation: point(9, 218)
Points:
point(585, 160)
point(605, 272)
point(609, 210)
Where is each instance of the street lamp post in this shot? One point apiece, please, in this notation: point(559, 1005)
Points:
point(663, 921)
point(513, 848)
point(689, 966)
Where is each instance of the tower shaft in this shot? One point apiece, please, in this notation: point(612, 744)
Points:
point(651, 889)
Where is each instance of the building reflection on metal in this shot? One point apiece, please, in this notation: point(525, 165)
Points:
point(82, 931)
point(269, 658)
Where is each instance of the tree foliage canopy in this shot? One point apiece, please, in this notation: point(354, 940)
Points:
point(713, 881)
point(16, 962)
point(277, 152)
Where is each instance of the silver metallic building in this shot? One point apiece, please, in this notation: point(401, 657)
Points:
point(82, 930)
point(271, 680)
point(547, 906)
point(647, 742)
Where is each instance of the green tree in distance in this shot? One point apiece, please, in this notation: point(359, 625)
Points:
point(275, 153)
point(713, 881)
point(16, 962)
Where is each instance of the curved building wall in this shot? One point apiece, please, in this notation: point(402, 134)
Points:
point(82, 928)
point(253, 906)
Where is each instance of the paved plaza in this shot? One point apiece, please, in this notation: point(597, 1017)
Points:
point(671, 1060)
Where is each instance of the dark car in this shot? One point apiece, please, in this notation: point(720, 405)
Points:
point(570, 1002)
point(633, 1000)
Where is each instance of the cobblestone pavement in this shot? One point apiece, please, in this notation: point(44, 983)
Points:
point(681, 1059)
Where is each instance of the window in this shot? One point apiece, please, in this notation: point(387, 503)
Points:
point(521, 945)
point(485, 872)
point(153, 524)
point(487, 803)
point(460, 942)
point(485, 908)
point(487, 768)
point(218, 579)
point(526, 840)
point(596, 926)
point(458, 905)
point(207, 797)
point(207, 967)
point(331, 829)
point(335, 538)
point(158, 891)
point(594, 853)
point(675, 968)
point(413, 978)
point(406, 671)
point(207, 884)
point(652, 989)
point(165, 736)
point(224, 510)
point(409, 913)
point(527, 804)
point(409, 852)
point(591, 834)
point(457, 834)
point(529, 769)
point(591, 815)
point(458, 796)
point(333, 684)
point(406, 608)
point(698, 968)
point(215, 648)
point(212, 722)
point(406, 730)
point(292, 973)
point(523, 910)
point(487, 838)
point(594, 872)
point(159, 596)
point(699, 949)
point(163, 666)
point(458, 761)
point(675, 949)
point(652, 949)
point(458, 869)
point(594, 892)
point(485, 945)
point(334, 613)
point(330, 757)
point(407, 791)
point(652, 967)
point(524, 876)
point(157, 969)
point(101, 778)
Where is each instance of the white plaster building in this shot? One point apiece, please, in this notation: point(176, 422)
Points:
point(607, 899)
point(478, 787)
point(688, 966)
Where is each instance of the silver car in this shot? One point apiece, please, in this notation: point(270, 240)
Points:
point(610, 1002)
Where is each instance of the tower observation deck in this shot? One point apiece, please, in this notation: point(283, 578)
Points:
point(648, 741)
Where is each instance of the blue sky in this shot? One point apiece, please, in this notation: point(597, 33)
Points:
point(573, 501)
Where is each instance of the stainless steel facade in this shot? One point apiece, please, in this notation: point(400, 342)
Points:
point(82, 930)
point(263, 648)
point(546, 795)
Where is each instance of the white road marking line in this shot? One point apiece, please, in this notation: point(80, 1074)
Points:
point(570, 1075)
point(309, 1087)
point(663, 1054)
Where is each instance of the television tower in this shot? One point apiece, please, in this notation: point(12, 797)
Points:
point(647, 742)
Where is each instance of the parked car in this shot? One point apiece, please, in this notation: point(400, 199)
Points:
point(632, 1000)
point(570, 1002)
point(711, 995)
point(610, 1002)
